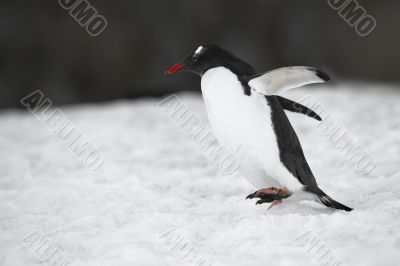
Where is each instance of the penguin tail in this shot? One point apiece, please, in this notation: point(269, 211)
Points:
point(329, 202)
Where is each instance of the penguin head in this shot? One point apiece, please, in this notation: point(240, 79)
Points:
point(202, 59)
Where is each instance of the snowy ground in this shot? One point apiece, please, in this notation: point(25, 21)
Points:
point(157, 200)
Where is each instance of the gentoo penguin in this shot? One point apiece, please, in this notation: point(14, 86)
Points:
point(247, 115)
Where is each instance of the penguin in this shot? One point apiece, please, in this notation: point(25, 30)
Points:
point(247, 115)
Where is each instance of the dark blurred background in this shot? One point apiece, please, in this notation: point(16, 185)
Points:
point(43, 47)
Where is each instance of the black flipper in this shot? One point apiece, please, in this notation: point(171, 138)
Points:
point(328, 201)
point(296, 107)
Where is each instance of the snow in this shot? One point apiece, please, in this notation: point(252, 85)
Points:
point(157, 200)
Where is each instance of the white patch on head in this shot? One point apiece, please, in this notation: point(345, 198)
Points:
point(198, 50)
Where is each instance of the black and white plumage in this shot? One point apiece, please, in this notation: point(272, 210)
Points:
point(248, 116)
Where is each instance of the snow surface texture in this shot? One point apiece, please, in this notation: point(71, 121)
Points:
point(157, 200)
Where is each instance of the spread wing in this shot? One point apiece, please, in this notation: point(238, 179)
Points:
point(296, 107)
point(282, 79)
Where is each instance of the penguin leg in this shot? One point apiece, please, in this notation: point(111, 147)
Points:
point(261, 201)
point(265, 194)
point(271, 194)
point(275, 202)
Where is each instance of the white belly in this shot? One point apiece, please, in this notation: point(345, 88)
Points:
point(243, 124)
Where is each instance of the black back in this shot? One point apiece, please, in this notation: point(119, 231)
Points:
point(290, 150)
